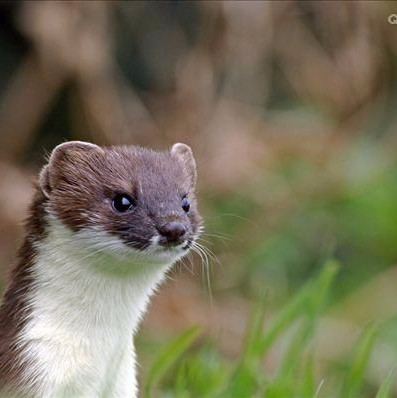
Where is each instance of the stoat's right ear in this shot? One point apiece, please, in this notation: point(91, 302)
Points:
point(63, 159)
point(184, 155)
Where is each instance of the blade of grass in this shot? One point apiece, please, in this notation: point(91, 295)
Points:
point(285, 318)
point(247, 376)
point(254, 332)
point(308, 387)
point(314, 305)
point(243, 380)
point(180, 385)
point(319, 388)
point(166, 359)
point(306, 296)
point(322, 286)
point(354, 377)
point(386, 387)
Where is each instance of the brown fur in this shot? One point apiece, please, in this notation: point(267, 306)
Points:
point(13, 310)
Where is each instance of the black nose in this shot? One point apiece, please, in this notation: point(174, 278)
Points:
point(173, 232)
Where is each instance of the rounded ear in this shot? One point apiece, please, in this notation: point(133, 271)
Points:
point(185, 155)
point(68, 152)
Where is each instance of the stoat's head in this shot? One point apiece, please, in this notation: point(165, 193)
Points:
point(130, 199)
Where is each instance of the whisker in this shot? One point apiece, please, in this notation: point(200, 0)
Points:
point(200, 250)
point(209, 253)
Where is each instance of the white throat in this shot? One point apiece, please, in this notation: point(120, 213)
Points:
point(86, 305)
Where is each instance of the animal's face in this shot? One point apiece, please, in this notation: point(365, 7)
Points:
point(141, 199)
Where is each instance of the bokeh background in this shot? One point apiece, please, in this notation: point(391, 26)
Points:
point(291, 110)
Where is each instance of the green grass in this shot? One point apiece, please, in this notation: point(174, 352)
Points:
point(188, 368)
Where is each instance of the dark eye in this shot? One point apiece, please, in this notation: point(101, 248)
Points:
point(123, 203)
point(185, 204)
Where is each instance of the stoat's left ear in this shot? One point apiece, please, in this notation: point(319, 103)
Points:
point(65, 159)
point(44, 181)
point(185, 155)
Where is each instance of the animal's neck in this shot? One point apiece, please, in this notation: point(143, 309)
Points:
point(79, 290)
point(84, 307)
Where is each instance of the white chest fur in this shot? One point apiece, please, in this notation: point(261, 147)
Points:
point(78, 341)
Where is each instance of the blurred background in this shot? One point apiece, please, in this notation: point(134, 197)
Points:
point(290, 108)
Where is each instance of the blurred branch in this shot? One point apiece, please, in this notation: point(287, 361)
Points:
point(72, 41)
point(24, 105)
point(341, 67)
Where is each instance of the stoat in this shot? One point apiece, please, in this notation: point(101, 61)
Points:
point(105, 225)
